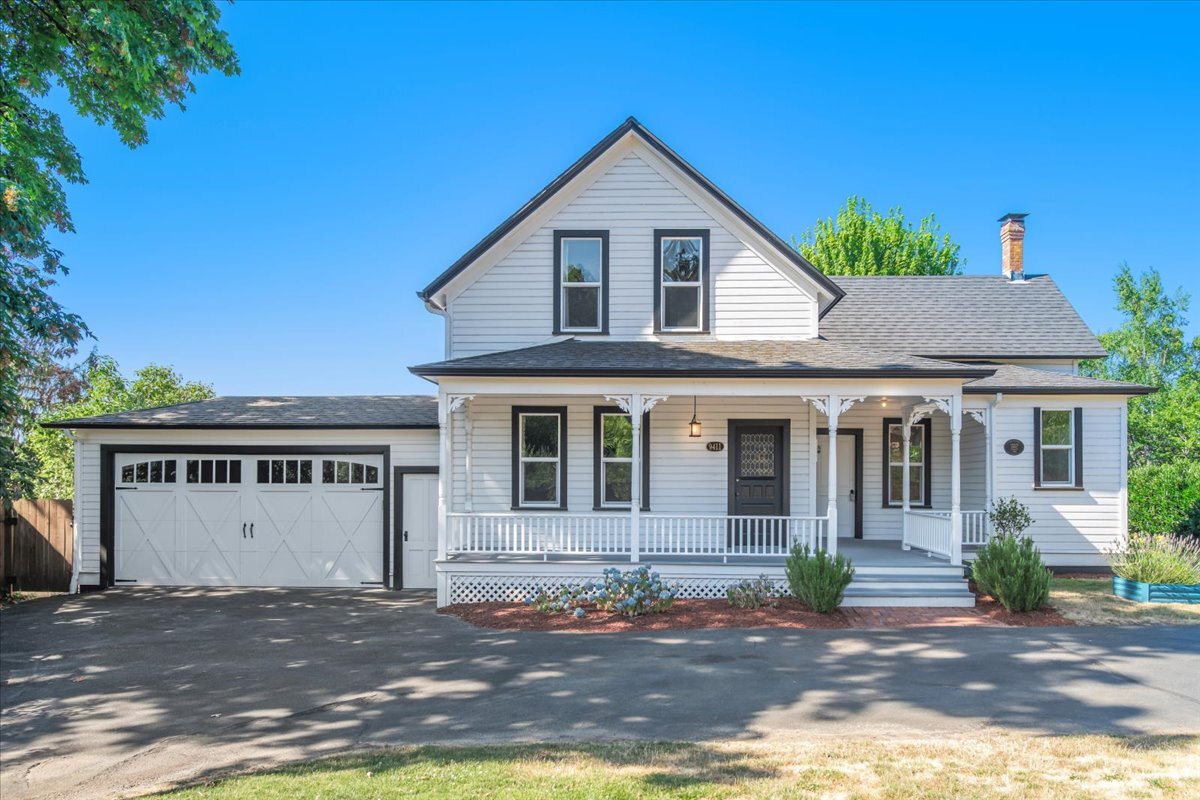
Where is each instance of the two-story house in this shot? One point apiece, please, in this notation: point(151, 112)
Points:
point(636, 369)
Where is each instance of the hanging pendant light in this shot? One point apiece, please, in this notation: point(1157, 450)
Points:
point(694, 425)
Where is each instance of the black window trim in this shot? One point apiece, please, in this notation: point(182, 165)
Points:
point(598, 413)
point(559, 235)
point(927, 501)
point(1076, 445)
point(706, 291)
point(515, 446)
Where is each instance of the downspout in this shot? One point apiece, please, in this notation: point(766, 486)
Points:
point(76, 553)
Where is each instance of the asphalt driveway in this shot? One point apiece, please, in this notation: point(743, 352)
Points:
point(128, 690)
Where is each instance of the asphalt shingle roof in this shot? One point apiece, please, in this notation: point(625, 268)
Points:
point(1025, 380)
point(780, 359)
point(962, 316)
point(346, 411)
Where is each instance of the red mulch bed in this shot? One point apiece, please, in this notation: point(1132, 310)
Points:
point(1046, 617)
point(683, 614)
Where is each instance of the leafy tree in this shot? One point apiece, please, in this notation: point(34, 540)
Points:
point(1150, 347)
point(121, 63)
point(861, 241)
point(107, 391)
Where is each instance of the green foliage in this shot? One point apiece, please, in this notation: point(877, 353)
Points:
point(121, 63)
point(1010, 569)
point(1150, 348)
point(816, 579)
point(106, 391)
point(1165, 498)
point(632, 593)
point(1009, 517)
point(1159, 559)
point(861, 241)
point(758, 593)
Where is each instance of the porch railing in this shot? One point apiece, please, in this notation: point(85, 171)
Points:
point(932, 531)
point(609, 534)
point(976, 529)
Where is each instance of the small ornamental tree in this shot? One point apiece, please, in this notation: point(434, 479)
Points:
point(1009, 517)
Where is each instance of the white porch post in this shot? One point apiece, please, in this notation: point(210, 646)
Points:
point(989, 462)
point(444, 476)
point(834, 411)
point(956, 480)
point(635, 491)
point(468, 473)
point(905, 489)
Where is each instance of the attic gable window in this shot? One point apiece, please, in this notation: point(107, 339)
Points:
point(581, 282)
point(681, 303)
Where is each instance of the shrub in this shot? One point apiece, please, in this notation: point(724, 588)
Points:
point(755, 593)
point(634, 592)
point(1010, 569)
point(1165, 498)
point(1159, 559)
point(818, 580)
point(1009, 517)
point(565, 599)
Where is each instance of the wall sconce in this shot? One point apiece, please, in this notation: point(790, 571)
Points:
point(694, 425)
point(884, 403)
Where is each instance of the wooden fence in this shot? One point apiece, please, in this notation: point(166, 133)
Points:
point(35, 546)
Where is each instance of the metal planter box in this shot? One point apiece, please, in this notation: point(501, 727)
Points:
point(1155, 592)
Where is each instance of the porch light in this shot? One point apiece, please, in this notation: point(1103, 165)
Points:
point(694, 425)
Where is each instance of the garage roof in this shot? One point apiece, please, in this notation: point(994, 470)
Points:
point(345, 411)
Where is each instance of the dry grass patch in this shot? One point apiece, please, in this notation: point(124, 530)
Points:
point(991, 766)
point(1089, 601)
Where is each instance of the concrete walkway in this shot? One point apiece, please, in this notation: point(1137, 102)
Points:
point(130, 690)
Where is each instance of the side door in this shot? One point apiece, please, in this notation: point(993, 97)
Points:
point(418, 530)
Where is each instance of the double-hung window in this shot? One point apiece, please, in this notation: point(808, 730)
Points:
point(681, 303)
point(539, 457)
point(1057, 453)
point(581, 281)
point(613, 459)
point(920, 465)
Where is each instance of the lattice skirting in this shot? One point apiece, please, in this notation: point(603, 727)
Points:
point(515, 588)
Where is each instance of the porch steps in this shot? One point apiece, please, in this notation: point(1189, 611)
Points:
point(913, 587)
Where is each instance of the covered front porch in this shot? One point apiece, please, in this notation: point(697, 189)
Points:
point(718, 477)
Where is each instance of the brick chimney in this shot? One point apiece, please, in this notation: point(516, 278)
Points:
point(1012, 246)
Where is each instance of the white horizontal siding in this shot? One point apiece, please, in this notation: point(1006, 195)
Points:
point(407, 448)
point(511, 304)
point(974, 465)
point(1072, 527)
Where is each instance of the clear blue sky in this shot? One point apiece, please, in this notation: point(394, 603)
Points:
point(270, 240)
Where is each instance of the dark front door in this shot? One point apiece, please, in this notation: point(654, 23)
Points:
point(758, 471)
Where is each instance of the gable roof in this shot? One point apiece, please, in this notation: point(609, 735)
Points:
point(803, 358)
point(630, 125)
point(960, 317)
point(351, 411)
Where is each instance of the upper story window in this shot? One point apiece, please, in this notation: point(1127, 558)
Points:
point(581, 281)
point(681, 303)
point(1058, 453)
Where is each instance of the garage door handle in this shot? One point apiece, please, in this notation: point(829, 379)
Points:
point(243, 530)
point(251, 530)
point(406, 536)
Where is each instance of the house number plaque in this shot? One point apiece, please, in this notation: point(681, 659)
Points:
point(1014, 447)
point(715, 447)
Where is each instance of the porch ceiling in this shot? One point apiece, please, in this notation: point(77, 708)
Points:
point(807, 358)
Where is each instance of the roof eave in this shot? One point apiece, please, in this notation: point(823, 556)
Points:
point(136, 426)
point(607, 372)
point(1128, 391)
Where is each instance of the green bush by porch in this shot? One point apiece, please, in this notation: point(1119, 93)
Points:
point(1010, 569)
point(1165, 498)
point(816, 579)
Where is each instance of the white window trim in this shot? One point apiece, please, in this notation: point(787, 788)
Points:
point(523, 459)
point(606, 460)
point(919, 500)
point(696, 284)
point(563, 305)
point(1070, 448)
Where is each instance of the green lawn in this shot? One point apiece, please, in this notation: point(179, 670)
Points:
point(1091, 602)
point(1007, 766)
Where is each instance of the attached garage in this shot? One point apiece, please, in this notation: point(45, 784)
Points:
point(279, 491)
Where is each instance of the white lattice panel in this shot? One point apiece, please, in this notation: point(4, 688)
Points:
point(515, 588)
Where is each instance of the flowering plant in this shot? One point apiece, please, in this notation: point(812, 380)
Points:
point(758, 593)
point(632, 593)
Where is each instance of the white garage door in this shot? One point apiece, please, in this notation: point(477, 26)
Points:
point(269, 520)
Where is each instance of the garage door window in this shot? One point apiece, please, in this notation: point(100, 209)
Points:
point(284, 470)
point(348, 472)
point(214, 470)
point(159, 471)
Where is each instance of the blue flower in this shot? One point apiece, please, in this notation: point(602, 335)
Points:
point(579, 613)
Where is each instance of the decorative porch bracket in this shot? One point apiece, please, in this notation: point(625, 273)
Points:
point(635, 405)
